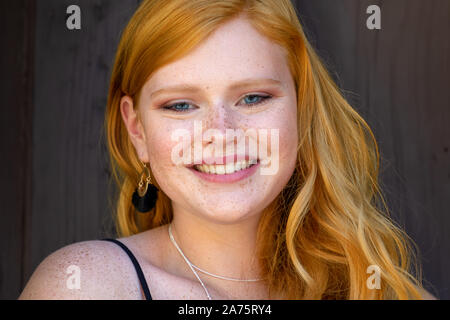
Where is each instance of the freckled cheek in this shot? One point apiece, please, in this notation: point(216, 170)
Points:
point(287, 133)
point(160, 143)
point(160, 150)
point(289, 137)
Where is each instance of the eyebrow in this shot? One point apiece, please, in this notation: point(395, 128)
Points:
point(237, 85)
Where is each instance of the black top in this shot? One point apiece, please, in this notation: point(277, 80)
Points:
point(139, 272)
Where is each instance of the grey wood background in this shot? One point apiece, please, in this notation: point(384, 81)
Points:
point(54, 166)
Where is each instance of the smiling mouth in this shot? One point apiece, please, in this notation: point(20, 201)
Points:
point(225, 169)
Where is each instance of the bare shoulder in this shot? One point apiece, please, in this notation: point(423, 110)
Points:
point(84, 270)
point(106, 272)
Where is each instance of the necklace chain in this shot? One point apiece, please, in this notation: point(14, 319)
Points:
point(192, 266)
point(188, 262)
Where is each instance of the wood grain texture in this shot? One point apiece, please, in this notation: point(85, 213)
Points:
point(16, 25)
point(398, 78)
point(70, 164)
point(55, 171)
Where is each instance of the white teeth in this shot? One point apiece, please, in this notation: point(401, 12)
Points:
point(229, 168)
point(220, 169)
point(225, 169)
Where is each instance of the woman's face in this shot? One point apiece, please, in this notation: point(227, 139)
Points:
point(214, 103)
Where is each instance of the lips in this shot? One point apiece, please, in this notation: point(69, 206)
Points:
point(223, 176)
point(228, 168)
point(224, 160)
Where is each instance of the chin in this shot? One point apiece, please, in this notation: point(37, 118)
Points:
point(231, 216)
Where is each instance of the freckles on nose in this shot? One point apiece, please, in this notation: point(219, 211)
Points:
point(221, 119)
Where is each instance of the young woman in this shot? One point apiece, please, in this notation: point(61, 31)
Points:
point(300, 219)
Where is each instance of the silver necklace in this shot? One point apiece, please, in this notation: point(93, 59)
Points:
point(192, 266)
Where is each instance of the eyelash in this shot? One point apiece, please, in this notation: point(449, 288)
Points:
point(264, 99)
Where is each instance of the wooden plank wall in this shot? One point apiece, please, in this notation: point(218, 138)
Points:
point(70, 167)
point(69, 174)
point(55, 169)
point(398, 78)
point(17, 29)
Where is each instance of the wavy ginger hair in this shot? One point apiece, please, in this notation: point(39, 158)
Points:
point(319, 236)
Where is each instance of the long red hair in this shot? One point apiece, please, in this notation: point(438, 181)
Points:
point(330, 223)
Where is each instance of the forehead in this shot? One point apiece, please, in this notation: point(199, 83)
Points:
point(233, 52)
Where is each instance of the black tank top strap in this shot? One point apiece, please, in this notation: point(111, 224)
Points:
point(139, 272)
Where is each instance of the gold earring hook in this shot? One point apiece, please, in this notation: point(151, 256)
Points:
point(142, 190)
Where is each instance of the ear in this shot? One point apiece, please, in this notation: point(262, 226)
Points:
point(134, 127)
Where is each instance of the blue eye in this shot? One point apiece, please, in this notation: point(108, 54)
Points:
point(251, 99)
point(260, 99)
point(175, 107)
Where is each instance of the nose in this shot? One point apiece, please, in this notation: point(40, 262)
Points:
point(218, 121)
point(220, 118)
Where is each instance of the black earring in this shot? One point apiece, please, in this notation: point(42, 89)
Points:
point(146, 194)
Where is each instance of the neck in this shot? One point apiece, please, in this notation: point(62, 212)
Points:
point(227, 250)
